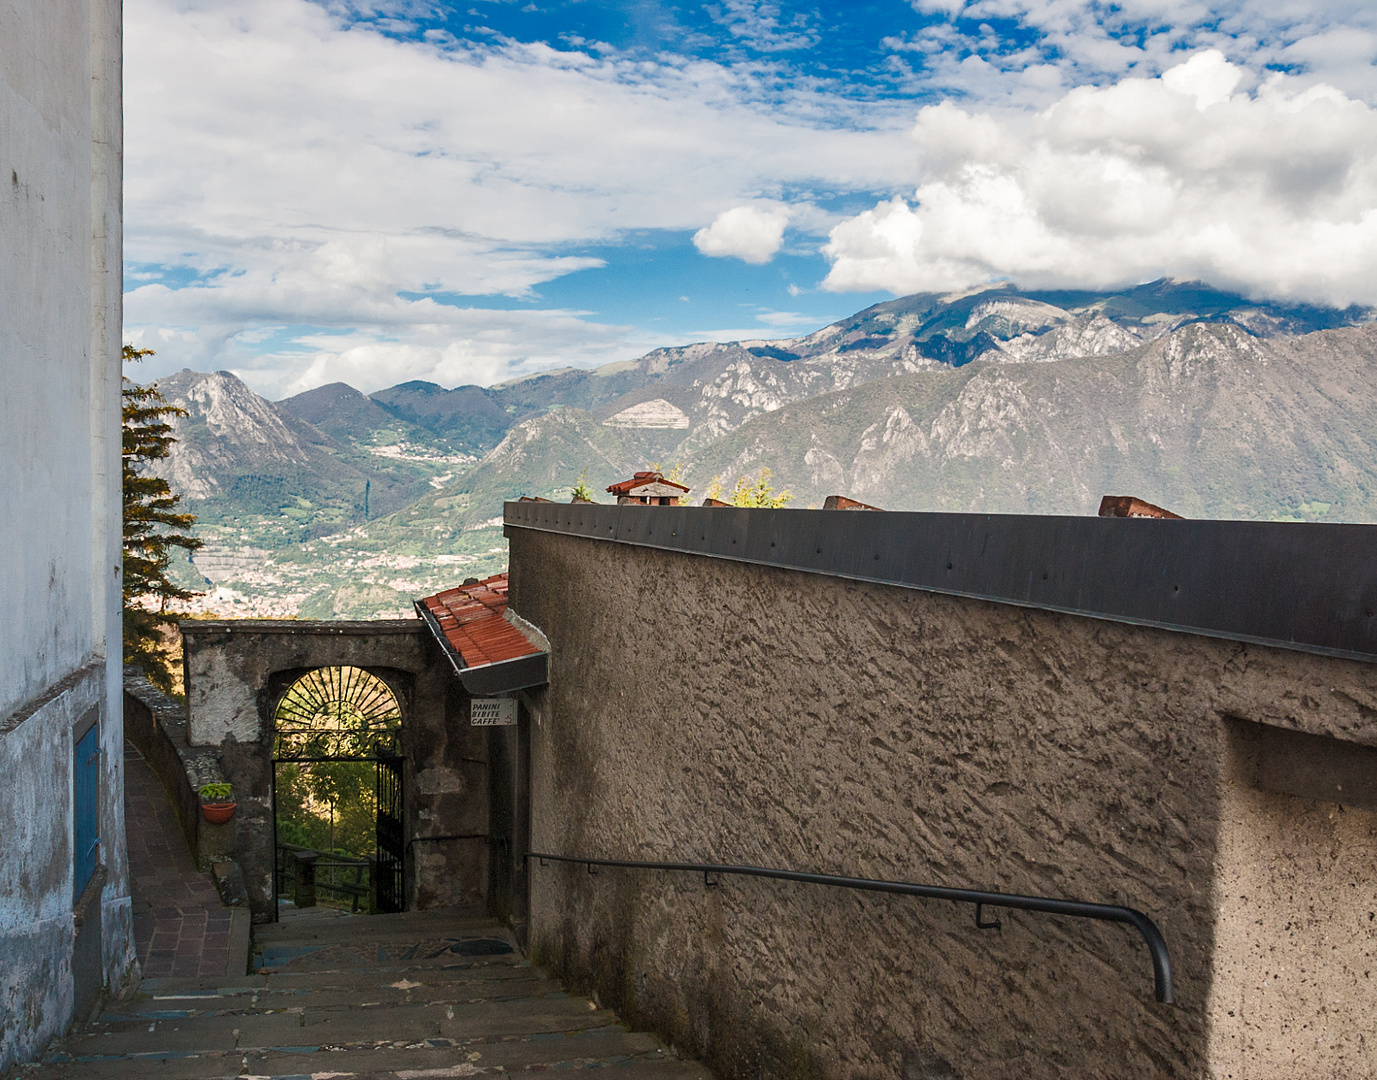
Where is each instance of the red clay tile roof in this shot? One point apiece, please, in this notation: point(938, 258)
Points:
point(471, 619)
point(1128, 506)
point(641, 479)
point(841, 502)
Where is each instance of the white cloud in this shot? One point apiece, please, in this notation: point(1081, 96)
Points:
point(783, 319)
point(312, 176)
point(1076, 42)
point(473, 345)
point(758, 23)
point(1273, 192)
point(1207, 77)
point(751, 233)
point(459, 345)
point(307, 171)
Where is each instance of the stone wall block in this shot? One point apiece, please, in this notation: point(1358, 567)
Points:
point(778, 718)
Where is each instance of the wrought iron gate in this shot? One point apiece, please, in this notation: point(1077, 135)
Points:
point(333, 715)
point(391, 860)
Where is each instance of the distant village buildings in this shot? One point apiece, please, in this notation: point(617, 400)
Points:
point(65, 916)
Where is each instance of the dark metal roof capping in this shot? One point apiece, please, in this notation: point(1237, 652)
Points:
point(330, 627)
point(1311, 587)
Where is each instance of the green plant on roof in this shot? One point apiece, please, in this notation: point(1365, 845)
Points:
point(756, 492)
point(215, 792)
point(581, 490)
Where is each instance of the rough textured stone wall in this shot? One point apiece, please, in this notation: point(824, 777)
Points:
point(706, 710)
point(236, 674)
point(60, 288)
point(157, 725)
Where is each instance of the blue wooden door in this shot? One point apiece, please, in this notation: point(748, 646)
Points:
point(85, 808)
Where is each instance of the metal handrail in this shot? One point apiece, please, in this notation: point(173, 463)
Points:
point(1157, 946)
point(500, 841)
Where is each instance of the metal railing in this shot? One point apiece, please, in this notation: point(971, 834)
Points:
point(356, 893)
point(499, 841)
point(1157, 946)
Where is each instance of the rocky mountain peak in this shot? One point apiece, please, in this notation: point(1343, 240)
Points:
point(243, 429)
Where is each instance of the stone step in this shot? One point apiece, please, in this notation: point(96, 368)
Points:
point(361, 948)
point(370, 957)
point(311, 964)
point(623, 1056)
point(335, 988)
point(375, 998)
point(387, 974)
point(444, 969)
point(338, 1023)
point(417, 924)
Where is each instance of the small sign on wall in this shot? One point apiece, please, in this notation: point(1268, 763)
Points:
point(492, 712)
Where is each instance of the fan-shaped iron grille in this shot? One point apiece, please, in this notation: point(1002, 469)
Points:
point(337, 712)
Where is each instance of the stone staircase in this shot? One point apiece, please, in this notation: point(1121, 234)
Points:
point(391, 997)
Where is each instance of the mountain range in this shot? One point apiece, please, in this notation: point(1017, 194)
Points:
point(998, 400)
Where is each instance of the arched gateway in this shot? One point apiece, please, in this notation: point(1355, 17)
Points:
point(394, 694)
point(338, 786)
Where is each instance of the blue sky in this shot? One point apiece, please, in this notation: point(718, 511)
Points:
point(381, 191)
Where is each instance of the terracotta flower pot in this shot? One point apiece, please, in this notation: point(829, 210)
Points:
point(218, 813)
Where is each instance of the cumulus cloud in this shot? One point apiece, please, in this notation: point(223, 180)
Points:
point(287, 166)
point(303, 190)
point(751, 233)
point(470, 345)
point(457, 345)
point(1272, 191)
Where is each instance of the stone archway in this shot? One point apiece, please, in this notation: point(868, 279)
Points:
point(238, 672)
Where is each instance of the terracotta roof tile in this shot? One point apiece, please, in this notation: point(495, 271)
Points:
point(472, 620)
point(1129, 506)
point(641, 479)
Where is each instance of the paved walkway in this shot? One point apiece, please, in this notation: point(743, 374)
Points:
point(181, 929)
point(381, 997)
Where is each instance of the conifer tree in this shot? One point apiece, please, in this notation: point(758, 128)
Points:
point(581, 492)
point(153, 527)
point(751, 492)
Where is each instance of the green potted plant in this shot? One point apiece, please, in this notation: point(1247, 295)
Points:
point(217, 803)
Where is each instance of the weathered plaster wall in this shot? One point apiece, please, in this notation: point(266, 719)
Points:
point(236, 674)
point(60, 315)
point(706, 710)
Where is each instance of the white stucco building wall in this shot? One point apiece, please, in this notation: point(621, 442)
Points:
point(60, 315)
